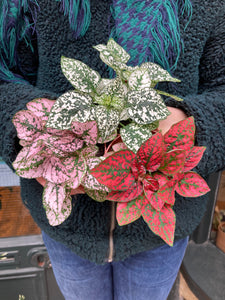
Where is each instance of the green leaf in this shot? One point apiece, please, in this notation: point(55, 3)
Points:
point(157, 73)
point(67, 107)
point(113, 55)
point(169, 95)
point(82, 77)
point(107, 119)
point(118, 51)
point(134, 135)
point(139, 79)
point(146, 106)
point(98, 196)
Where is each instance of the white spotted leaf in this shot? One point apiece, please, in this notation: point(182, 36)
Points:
point(81, 76)
point(146, 106)
point(65, 109)
point(134, 135)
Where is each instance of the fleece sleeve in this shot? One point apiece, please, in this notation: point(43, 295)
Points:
point(208, 107)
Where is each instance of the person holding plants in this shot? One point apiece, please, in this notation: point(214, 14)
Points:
point(93, 257)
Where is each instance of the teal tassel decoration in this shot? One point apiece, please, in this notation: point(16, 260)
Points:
point(14, 27)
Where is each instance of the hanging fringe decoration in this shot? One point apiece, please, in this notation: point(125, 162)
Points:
point(150, 30)
point(79, 14)
point(14, 27)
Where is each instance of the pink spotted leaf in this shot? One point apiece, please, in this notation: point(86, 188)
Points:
point(28, 125)
point(41, 107)
point(57, 203)
point(88, 131)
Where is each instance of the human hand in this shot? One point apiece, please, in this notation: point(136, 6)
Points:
point(176, 116)
point(78, 190)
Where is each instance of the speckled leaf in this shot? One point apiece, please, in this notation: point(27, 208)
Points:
point(146, 106)
point(57, 203)
point(139, 79)
point(89, 181)
point(28, 125)
point(127, 213)
point(88, 131)
point(109, 138)
point(173, 162)
point(107, 119)
point(119, 146)
point(151, 152)
point(135, 190)
point(114, 50)
point(162, 222)
point(98, 196)
point(157, 73)
point(28, 158)
point(66, 106)
point(166, 190)
point(89, 151)
point(81, 76)
point(111, 92)
point(181, 135)
point(192, 185)
point(193, 158)
point(63, 145)
point(134, 135)
point(76, 169)
point(55, 171)
point(41, 107)
point(115, 171)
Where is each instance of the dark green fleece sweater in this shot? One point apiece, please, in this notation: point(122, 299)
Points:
point(201, 68)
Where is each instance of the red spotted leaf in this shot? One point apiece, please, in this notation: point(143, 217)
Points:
point(166, 192)
point(181, 135)
point(135, 190)
point(115, 171)
point(162, 223)
point(151, 152)
point(127, 213)
point(192, 185)
point(173, 162)
point(27, 124)
point(193, 158)
point(57, 203)
point(41, 107)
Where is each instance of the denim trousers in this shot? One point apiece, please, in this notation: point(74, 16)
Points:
point(146, 275)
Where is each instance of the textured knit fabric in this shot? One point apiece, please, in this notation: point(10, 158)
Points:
point(201, 67)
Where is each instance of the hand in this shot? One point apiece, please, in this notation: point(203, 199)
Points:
point(78, 190)
point(176, 116)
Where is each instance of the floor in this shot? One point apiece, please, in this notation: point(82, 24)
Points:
point(185, 292)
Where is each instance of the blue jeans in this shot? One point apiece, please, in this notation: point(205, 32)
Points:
point(146, 275)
